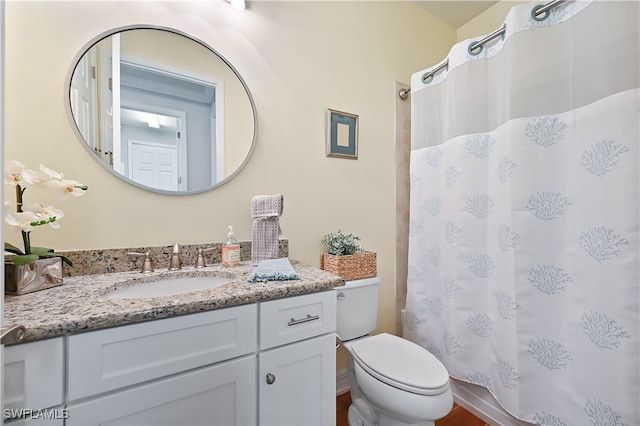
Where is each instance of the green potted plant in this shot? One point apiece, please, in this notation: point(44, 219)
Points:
point(345, 258)
point(32, 268)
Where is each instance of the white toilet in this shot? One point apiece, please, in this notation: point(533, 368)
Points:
point(393, 381)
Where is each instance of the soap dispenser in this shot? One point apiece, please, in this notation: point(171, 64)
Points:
point(231, 250)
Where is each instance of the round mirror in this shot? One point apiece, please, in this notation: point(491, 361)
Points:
point(161, 110)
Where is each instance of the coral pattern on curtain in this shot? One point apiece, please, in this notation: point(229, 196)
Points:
point(524, 259)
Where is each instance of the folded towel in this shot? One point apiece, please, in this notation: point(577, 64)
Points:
point(273, 270)
point(266, 211)
point(267, 205)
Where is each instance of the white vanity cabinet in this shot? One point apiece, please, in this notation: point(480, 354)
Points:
point(265, 363)
point(33, 382)
point(297, 360)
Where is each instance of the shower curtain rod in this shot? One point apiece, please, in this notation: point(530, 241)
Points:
point(535, 13)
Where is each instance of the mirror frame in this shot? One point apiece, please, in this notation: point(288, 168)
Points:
point(83, 142)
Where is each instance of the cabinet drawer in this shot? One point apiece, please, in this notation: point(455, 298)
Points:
point(223, 394)
point(104, 360)
point(295, 318)
point(33, 374)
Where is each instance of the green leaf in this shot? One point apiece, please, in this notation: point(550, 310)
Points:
point(36, 253)
point(23, 259)
point(340, 244)
point(41, 251)
point(51, 253)
point(12, 249)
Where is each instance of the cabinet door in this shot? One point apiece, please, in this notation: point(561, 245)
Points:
point(33, 374)
point(223, 394)
point(297, 383)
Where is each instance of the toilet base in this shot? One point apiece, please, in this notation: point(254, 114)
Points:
point(357, 418)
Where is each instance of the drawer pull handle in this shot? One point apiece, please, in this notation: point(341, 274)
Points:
point(270, 379)
point(13, 334)
point(306, 319)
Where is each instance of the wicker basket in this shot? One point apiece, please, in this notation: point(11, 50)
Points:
point(350, 267)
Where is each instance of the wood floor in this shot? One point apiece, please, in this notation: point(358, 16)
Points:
point(457, 417)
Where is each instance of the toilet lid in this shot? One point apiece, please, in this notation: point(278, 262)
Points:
point(401, 363)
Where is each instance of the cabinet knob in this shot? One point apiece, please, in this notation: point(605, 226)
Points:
point(270, 378)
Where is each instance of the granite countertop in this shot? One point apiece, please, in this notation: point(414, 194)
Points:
point(80, 304)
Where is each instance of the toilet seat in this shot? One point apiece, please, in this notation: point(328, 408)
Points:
point(401, 364)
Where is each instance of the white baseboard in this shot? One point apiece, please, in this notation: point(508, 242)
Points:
point(342, 382)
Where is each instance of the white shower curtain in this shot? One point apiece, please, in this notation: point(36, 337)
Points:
point(524, 260)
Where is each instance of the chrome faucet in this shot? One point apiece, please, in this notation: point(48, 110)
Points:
point(175, 262)
point(200, 263)
point(147, 264)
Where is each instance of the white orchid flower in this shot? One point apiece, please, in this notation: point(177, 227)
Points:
point(33, 215)
point(13, 172)
point(51, 173)
point(35, 177)
point(44, 215)
point(23, 220)
point(51, 215)
point(66, 187)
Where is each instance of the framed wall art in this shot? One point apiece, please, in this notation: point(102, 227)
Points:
point(342, 134)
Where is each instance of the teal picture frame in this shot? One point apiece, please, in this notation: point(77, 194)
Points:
point(342, 134)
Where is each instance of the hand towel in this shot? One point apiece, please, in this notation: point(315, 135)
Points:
point(266, 211)
point(273, 270)
point(267, 205)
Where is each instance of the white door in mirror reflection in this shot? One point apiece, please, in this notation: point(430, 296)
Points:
point(156, 105)
point(157, 127)
point(83, 95)
point(154, 165)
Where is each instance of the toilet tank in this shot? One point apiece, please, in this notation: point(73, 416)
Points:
point(357, 308)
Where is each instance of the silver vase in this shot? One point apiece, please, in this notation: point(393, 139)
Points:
point(39, 275)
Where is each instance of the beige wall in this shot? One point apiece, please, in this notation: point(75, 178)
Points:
point(298, 59)
point(488, 21)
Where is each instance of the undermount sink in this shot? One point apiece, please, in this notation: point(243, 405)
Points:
point(168, 287)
